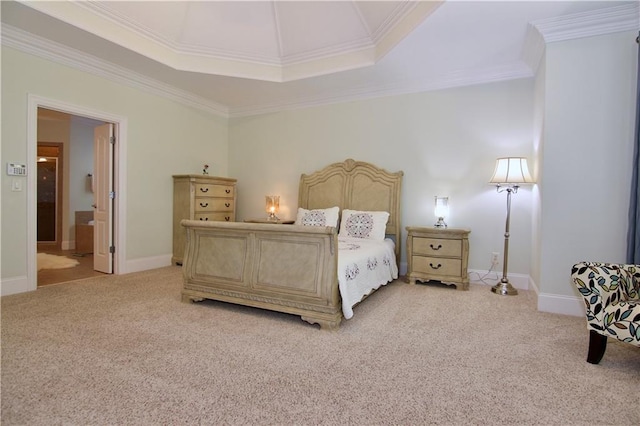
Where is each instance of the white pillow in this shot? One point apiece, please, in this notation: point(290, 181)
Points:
point(363, 224)
point(318, 217)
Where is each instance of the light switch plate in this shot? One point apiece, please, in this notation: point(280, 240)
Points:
point(16, 185)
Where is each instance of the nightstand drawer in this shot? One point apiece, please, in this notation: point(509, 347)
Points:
point(437, 247)
point(214, 205)
point(435, 266)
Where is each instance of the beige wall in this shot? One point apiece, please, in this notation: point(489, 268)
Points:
point(164, 138)
point(589, 93)
point(446, 142)
point(574, 122)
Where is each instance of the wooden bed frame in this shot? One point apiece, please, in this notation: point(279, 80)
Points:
point(288, 268)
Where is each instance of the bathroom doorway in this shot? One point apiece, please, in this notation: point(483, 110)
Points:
point(49, 195)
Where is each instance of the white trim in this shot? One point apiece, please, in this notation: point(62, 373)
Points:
point(128, 32)
point(579, 25)
point(14, 285)
point(559, 304)
point(459, 78)
point(588, 24)
point(146, 263)
point(603, 21)
point(120, 164)
point(59, 53)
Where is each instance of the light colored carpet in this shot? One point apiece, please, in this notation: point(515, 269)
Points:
point(122, 350)
point(52, 261)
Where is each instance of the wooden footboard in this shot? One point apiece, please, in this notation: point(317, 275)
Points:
point(285, 268)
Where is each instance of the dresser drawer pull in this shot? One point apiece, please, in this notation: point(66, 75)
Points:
point(435, 248)
point(227, 204)
point(206, 218)
point(227, 218)
point(204, 204)
point(204, 189)
point(228, 191)
point(435, 267)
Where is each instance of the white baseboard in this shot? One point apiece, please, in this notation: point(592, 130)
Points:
point(14, 285)
point(146, 263)
point(20, 284)
point(553, 303)
point(559, 304)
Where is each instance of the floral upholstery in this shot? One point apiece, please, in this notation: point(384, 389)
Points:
point(612, 296)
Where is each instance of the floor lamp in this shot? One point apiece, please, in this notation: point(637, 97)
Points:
point(509, 174)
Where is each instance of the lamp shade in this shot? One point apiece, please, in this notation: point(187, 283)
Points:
point(511, 170)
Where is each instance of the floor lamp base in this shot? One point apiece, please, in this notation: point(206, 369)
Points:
point(504, 288)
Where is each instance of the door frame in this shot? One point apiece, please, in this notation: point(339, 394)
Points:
point(119, 172)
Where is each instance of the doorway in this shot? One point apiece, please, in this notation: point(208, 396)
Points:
point(64, 243)
point(49, 194)
point(65, 197)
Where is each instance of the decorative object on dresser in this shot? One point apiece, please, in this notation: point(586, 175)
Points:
point(509, 174)
point(200, 197)
point(439, 254)
point(309, 269)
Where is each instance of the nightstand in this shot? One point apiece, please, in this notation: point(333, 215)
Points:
point(439, 254)
point(266, 220)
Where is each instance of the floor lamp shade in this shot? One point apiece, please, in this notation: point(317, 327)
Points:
point(510, 172)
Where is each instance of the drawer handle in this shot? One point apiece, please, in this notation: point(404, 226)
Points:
point(204, 189)
point(228, 191)
point(227, 218)
point(435, 248)
point(204, 204)
point(206, 218)
point(227, 204)
point(435, 267)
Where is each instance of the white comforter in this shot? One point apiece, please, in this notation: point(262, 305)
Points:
point(363, 266)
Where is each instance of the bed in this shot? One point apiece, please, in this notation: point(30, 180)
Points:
point(317, 272)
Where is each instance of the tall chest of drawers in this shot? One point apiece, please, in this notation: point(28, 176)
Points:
point(438, 254)
point(200, 197)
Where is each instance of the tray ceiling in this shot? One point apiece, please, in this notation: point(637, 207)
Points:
point(237, 58)
point(262, 40)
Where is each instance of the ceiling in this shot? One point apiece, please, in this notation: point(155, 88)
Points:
point(248, 57)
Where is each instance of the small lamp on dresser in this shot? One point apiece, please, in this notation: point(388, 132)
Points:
point(273, 206)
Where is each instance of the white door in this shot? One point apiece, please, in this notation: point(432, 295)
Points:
point(103, 198)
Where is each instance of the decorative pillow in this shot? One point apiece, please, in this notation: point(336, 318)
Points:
point(363, 224)
point(318, 217)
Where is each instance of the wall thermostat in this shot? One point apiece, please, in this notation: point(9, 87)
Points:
point(15, 169)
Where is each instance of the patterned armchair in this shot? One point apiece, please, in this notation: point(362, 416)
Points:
point(612, 295)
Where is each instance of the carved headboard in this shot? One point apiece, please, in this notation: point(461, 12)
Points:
point(355, 185)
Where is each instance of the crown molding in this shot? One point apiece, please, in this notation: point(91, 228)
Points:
point(588, 24)
point(578, 25)
point(38, 46)
point(610, 20)
point(459, 78)
point(105, 22)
